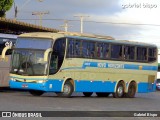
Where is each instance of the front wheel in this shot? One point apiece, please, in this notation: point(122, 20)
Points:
point(36, 92)
point(67, 90)
point(119, 91)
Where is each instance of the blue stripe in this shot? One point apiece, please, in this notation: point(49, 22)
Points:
point(55, 85)
point(49, 86)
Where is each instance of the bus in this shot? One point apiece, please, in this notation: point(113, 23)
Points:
point(158, 72)
point(5, 40)
point(67, 62)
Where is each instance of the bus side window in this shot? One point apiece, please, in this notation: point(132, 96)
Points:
point(77, 48)
point(85, 53)
point(92, 49)
point(102, 50)
point(144, 54)
point(105, 50)
point(116, 51)
point(99, 50)
point(70, 48)
point(152, 54)
point(141, 53)
point(88, 49)
point(129, 52)
point(132, 53)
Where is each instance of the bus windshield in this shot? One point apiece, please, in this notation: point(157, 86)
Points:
point(28, 56)
point(28, 62)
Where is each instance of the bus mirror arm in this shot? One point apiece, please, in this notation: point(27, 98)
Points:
point(46, 53)
point(5, 50)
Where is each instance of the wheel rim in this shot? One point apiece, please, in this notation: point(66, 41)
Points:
point(120, 91)
point(66, 89)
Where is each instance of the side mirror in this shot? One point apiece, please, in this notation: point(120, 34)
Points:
point(46, 53)
point(5, 50)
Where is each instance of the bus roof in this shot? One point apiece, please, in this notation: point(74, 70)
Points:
point(82, 36)
point(64, 34)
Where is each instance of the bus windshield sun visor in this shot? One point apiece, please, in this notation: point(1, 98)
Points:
point(33, 43)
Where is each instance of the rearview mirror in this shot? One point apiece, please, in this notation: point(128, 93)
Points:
point(46, 53)
point(5, 50)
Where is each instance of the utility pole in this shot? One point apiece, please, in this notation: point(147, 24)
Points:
point(40, 14)
point(81, 20)
point(65, 26)
point(18, 9)
point(40, 0)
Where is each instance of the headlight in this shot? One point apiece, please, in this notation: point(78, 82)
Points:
point(13, 79)
point(41, 81)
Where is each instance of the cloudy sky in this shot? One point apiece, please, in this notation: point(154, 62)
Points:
point(141, 17)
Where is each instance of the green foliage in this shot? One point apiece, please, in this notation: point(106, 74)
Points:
point(5, 5)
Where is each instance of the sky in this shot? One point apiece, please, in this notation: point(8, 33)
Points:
point(104, 17)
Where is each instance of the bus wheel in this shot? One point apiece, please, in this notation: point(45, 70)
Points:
point(119, 91)
point(101, 94)
point(67, 90)
point(87, 94)
point(36, 92)
point(131, 90)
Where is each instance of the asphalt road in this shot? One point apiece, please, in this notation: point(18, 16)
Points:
point(23, 101)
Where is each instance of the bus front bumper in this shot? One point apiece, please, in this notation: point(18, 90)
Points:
point(48, 86)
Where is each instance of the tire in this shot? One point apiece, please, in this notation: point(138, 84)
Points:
point(119, 91)
point(36, 92)
point(131, 90)
point(101, 94)
point(87, 94)
point(67, 90)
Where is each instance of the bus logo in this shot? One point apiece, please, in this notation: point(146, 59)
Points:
point(102, 65)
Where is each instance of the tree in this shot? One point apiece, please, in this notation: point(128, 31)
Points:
point(5, 5)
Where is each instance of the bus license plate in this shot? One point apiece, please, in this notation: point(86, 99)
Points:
point(24, 86)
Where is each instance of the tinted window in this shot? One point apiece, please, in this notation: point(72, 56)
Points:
point(57, 55)
point(33, 43)
point(74, 48)
point(102, 50)
point(141, 53)
point(88, 49)
point(152, 55)
point(129, 52)
point(116, 51)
